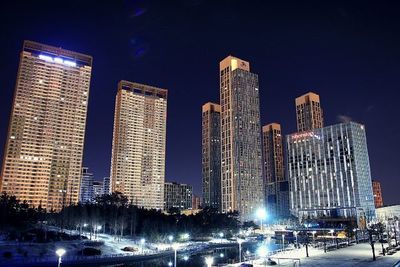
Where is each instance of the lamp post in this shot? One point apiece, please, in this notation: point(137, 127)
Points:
point(283, 242)
point(262, 252)
point(313, 235)
point(60, 252)
point(175, 247)
point(142, 241)
point(209, 261)
point(221, 235)
point(356, 234)
point(295, 234)
point(261, 214)
point(240, 241)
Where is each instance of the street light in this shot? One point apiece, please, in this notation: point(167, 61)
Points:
point(283, 242)
point(170, 238)
point(221, 255)
point(60, 252)
point(175, 247)
point(240, 241)
point(261, 214)
point(209, 261)
point(356, 234)
point(185, 236)
point(263, 253)
point(186, 258)
point(170, 263)
point(313, 235)
point(221, 235)
point(142, 241)
point(295, 234)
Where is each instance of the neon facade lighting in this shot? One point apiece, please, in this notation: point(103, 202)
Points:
point(58, 60)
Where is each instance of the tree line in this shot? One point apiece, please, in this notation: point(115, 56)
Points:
point(113, 214)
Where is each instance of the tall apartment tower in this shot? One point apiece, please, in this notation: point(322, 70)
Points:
point(43, 153)
point(276, 185)
point(241, 157)
point(138, 150)
point(376, 189)
point(211, 155)
point(309, 113)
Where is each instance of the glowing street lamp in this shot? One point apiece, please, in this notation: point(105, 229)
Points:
point(263, 253)
point(355, 234)
point(240, 241)
point(142, 241)
point(186, 258)
point(60, 252)
point(313, 235)
point(295, 234)
point(175, 246)
point(186, 236)
point(170, 263)
point(170, 238)
point(221, 255)
point(221, 235)
point(209, 261)
point(261, 215)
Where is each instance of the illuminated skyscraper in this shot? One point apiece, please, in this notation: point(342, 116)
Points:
point(329, 173)
point(276, 185)
point(138, 150)
point(309, 112)
point(211, 155)
point(241, 157)
point(43, 154)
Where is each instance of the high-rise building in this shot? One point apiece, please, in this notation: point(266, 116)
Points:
point(196, 202)
point(138, 150)
point(177, 196)
point(276, 184)
point(43, 154)
point(376, 189)
point(309, 113)
point(241, 157)
point(329, 173)
point(86, 191)
point(211, 155)
point(106, 186)
point(97, 189)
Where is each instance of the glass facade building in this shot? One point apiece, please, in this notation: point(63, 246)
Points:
point(242, 182)
point(87, 191)
point(211, 155)
point(329, 173)
point(177, 196)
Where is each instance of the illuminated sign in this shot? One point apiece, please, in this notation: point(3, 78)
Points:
point(58, 60)
point(298, 136)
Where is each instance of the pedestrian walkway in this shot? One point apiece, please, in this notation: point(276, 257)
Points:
point(356, 255)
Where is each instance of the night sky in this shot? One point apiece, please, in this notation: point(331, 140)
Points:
point(349, 53)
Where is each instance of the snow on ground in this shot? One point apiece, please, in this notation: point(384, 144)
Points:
point(358, 255)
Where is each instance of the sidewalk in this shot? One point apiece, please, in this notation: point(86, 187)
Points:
point(357, 255)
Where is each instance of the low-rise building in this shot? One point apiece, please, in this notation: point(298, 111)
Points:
point(178, 196)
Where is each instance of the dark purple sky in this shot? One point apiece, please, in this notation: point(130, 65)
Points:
point(349, 53)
